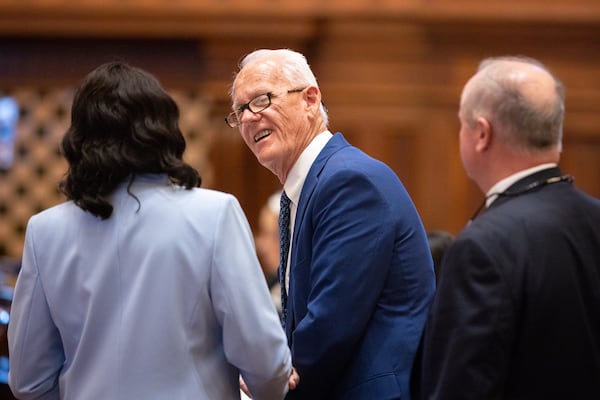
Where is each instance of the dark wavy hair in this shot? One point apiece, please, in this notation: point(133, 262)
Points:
point(123, 123)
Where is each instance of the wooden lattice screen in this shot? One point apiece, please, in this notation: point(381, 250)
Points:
point(30, 185)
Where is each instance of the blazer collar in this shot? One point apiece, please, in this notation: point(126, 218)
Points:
point(523, 183)
point(335, 144)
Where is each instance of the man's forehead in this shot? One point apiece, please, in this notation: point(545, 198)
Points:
point(259, 70)
point(254, 80)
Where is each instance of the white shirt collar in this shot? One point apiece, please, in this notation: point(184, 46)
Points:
point(295, 179)
point(507, 182)
point(294, 182)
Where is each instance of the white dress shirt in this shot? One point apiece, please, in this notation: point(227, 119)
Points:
point(507, 182)
point(294, 182)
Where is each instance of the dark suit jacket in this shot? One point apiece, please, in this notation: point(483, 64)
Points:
point(517, 312)
point(361, 280)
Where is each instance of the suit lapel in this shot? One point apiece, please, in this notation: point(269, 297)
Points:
point(334, 144)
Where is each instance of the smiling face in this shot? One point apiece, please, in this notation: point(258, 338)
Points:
point(278, 134)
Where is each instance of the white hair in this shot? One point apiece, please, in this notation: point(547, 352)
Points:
point(293, 67)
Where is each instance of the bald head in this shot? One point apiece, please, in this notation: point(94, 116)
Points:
point(521, 99)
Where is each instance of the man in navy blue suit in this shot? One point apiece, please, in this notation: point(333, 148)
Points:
point(517, 311)
point(359, 278)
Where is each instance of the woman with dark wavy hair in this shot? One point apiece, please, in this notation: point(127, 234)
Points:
point(123, 124)
point(142, 285)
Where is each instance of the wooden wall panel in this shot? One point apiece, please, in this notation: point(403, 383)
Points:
point(581, 158)
point(391, 73)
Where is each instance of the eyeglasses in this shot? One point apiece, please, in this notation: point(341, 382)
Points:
point(256, 105)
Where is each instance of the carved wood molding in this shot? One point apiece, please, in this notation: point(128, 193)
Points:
point(234, 18)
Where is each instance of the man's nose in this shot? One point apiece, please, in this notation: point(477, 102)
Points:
point(247, 115)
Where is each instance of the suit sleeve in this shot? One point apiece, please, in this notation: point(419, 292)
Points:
point(35, 347)
point(253, 339)
point(469, 332)
point(352, 249)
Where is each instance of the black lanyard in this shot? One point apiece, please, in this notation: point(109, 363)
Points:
point(532, 186)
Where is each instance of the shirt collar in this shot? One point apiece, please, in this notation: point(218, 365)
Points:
point(507, 182)
point(295, 179)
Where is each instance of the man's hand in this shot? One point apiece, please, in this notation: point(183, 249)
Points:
point(244, 388)
point(292, 382)
point(294, 379)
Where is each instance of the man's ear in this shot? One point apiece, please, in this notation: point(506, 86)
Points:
point(313, 97)
point(485, 135)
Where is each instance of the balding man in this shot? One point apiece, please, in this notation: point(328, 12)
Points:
point(517, 311)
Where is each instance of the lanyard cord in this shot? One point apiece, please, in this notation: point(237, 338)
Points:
point(532, 186)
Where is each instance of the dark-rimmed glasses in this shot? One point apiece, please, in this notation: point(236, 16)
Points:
point(256, 105)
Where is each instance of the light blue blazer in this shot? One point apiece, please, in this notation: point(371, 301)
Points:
point(163, 300)
point(361, 280)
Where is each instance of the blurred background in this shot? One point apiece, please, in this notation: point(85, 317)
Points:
point(391, 73)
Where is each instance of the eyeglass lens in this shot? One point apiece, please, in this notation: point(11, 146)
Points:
point(256, 105)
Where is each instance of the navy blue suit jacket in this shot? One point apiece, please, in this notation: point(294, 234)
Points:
point(361, 280)
point(517, 312)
